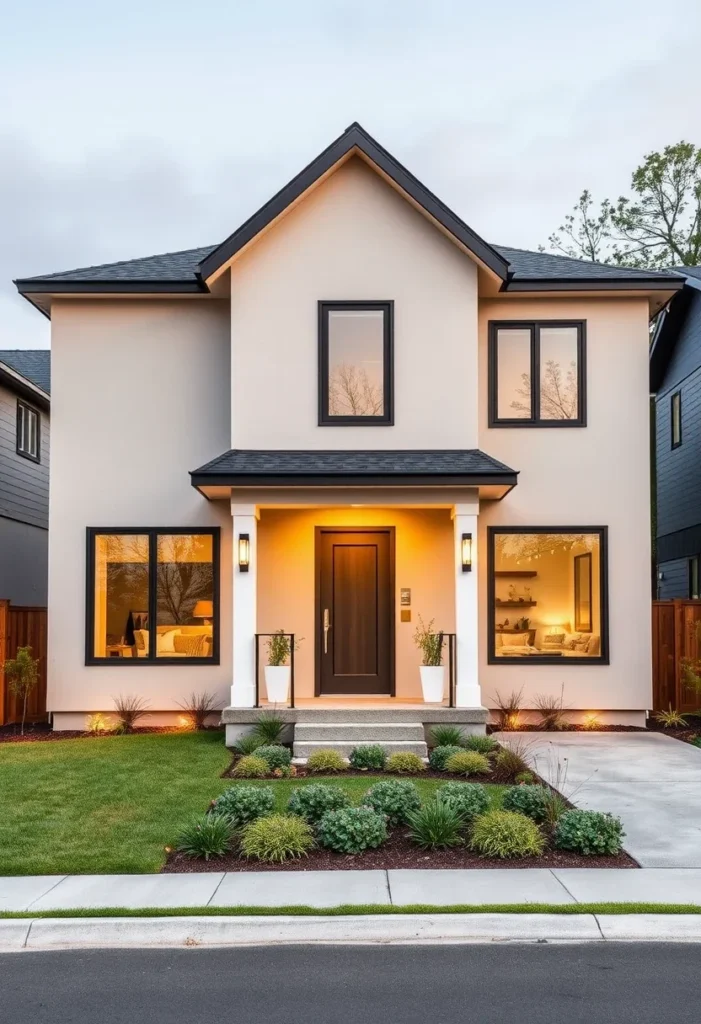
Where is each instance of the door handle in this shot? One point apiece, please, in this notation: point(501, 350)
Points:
point(327, 627)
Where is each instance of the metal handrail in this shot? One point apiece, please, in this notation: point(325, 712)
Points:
point(292, 667)
point(452, 666)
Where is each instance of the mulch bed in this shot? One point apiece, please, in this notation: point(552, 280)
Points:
point(494, 777)
point(567, 728)
point(686, 734)
point(43, 733)
point(397, 852)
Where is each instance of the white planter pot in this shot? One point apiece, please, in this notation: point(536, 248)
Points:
point(277, 683)
point(432, 682)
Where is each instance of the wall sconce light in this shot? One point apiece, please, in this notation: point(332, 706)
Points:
point(467, 552)
point(244, 552)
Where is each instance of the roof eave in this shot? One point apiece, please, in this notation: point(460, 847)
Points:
point(47, 286)
point(23, 387)
point(589, 284)
point(354, 138)
point(200, 479)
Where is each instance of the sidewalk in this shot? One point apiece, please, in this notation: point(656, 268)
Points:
point(324, 889)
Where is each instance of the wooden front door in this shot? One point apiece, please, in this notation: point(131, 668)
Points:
point(355, 611)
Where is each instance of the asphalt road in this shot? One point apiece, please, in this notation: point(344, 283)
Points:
point(513, 984)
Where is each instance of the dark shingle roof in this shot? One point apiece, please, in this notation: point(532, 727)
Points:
point(468, 462)
point(183, 267)
point(32, 363)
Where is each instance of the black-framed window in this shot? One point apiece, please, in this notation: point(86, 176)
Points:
point(28, 432)
point(675, 412)
point(152, 596)
point(355, 364)
point(537, 373)
point(694, 578)
point(548, 595)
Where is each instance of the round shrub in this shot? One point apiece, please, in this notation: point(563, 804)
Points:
point(528, 800)
point(436, 825)
point(482, 744)
point(506, 834)
point(404, 764)
point(368, 757)
point(241, 804)
point(589, 832)
point(209, 836)
point(277, 838)
point(468, 762)
point(439, 755)
point(352, 830)
point(469, 798)
point(395, 799)
point(251, 767)
point(323, 761)
point(275, 755)
point(312, 802)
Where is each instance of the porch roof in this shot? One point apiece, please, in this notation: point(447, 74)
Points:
point(430, 468)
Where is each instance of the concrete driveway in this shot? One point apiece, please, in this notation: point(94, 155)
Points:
point(652, 782)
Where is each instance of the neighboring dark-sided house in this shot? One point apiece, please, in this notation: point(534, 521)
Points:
point(25, 388)
point(675, 380)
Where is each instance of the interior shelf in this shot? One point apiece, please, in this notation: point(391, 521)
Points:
point(516, 604)
point(520, 573)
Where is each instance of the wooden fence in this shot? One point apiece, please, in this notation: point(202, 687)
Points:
point(22, 627)
point(675, 637)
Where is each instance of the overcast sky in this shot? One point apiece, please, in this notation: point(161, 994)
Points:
point(141, 127)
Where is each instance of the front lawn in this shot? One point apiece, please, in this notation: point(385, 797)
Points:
point(106, 805)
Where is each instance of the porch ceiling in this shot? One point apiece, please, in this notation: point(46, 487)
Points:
point(448, 468)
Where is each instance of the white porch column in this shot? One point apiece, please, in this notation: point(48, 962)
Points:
point(467, 695)
point(243, 689)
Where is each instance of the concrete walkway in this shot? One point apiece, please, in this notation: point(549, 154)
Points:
point(322, 889)
point(652, 782)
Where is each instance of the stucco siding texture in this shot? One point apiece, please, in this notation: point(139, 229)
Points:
point(598, 475)
point(158, 405)
point(353, 238)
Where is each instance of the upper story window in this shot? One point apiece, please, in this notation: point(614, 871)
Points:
point(537, 374)
point(28, 432)
point(676, 412)
point(355, 364)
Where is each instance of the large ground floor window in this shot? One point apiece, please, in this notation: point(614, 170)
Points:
point(548, 594)
point(152, 596)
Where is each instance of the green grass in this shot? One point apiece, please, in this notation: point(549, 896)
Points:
point(363, 910)
point(111, 805)
point(103, 806)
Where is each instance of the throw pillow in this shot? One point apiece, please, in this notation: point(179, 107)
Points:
point(192, 646)
point(570, 641)
point(141, 641)
point(517, 639)
point(553, 640)
point(164, 641)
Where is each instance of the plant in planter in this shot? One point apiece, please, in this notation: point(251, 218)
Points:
point(277, 671)
point(432, 669)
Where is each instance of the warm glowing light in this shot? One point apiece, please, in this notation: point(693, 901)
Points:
point(512, 721)
point(185, 722)
point(466, 552)
point(591, 720)
point(244, 552)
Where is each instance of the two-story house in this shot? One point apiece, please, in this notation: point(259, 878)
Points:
point(350, 413)
point(25, 388)
point(675, 380)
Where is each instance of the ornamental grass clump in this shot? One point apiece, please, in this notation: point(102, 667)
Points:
point(469, 798)
point(467, 762)
point(395, 799)
point(275, 756)
point(482, 744)
point(436, 825)
point(247, 744)
point(325, 761)
point(277, 838)
point(439, 755)
point(506, 834)
point(447, 736)
point(368, 758)
point(313, 801)
point(251, 767)
point(590, 833)
point(511, 761)
point(352, 830)
point(212, 835)
point(268, 728)
point(529, 800)
point(404, 764)
point(241, 804)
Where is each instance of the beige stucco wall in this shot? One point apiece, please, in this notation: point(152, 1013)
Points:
point(354, 237)
point(424, 562)
point(594, 476)
point(140, 397)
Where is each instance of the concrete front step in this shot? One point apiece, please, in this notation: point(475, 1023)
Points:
point(353, 732)
point(304, 749)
